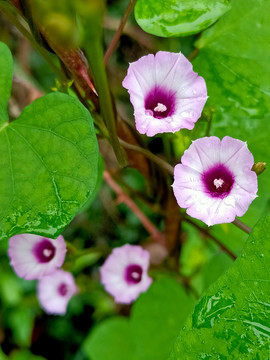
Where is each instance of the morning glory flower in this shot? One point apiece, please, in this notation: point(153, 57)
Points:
point(214, 180)
point(33, 256)
point(124, 273)
point(55, 290)
point(167, 95)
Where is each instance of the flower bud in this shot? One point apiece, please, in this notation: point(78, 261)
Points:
point(259, 167)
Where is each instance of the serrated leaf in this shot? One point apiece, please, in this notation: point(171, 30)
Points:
point(49, 162)
point(234, 60)
point(232, 319)
point(178, 18)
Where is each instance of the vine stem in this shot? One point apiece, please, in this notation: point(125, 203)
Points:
point(149, 155)
point(119, 31)
point(242, 226)
point(7, 10)
point(212, 237)
point(122, 197)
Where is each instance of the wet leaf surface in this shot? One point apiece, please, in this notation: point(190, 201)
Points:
point(231, 321)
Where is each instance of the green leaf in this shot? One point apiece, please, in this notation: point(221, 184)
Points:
point(110, 340)
point(6, 70)
point(49, 161)
point(24, 355)
point(21, 321)
point(178, 18)
point(234, 60)
point(231, 321)
point(157, 317)
point(149, 335)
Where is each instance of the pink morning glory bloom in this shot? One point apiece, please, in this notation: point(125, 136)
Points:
point(214, 180)
point(167, 95)
point(33, 256)
point(124, 273)
point(55, 290)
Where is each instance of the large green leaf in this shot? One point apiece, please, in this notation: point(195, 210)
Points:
point(234, 60)
point(178, 18)
point(110, 340)
point(157, 317)
point(6, 70)
point(149, 335)
point(232, 319)
point(49, 162)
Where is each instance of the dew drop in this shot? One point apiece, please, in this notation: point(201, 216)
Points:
point(261, 255)
point(194, 92)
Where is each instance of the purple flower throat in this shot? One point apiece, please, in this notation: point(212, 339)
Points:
point(44, 251)
point(218, 181)
point(62, 289)
point(133, 274)
point(160, 102)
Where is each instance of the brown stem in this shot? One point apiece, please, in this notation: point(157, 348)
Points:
point(119, 31)
point(242, 226)
point(134, 32)
point(149, 155)
point(122, 197)
point(193, 54)
point(212, 237)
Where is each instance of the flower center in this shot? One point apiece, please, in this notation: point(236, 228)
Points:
point(160, 102)
point(47, 252)
point(218, 181)
point(62, 289)
point(133, 274)
point(160, 107)
point(44, 251)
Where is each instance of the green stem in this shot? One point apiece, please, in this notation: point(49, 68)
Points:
point(148, 154)
point(95, 57)
point(10, 12)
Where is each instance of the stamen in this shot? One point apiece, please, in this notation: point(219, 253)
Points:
point(135, 275)
point(47, 252)
point(218, 183)
point(160, 107)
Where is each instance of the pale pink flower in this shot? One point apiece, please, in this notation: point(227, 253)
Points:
point(214, 180)
point(33, 256)
point(124, 273)
point(167, 95)
point(55, 290)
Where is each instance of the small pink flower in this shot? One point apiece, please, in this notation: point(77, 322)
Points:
point(55, 290)
point(34, 256)
point(124, 273)
point(167, 95)
point(214, 180)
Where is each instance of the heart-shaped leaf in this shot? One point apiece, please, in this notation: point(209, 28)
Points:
point(178, 18)
point(49, 161)
point(231, 321)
